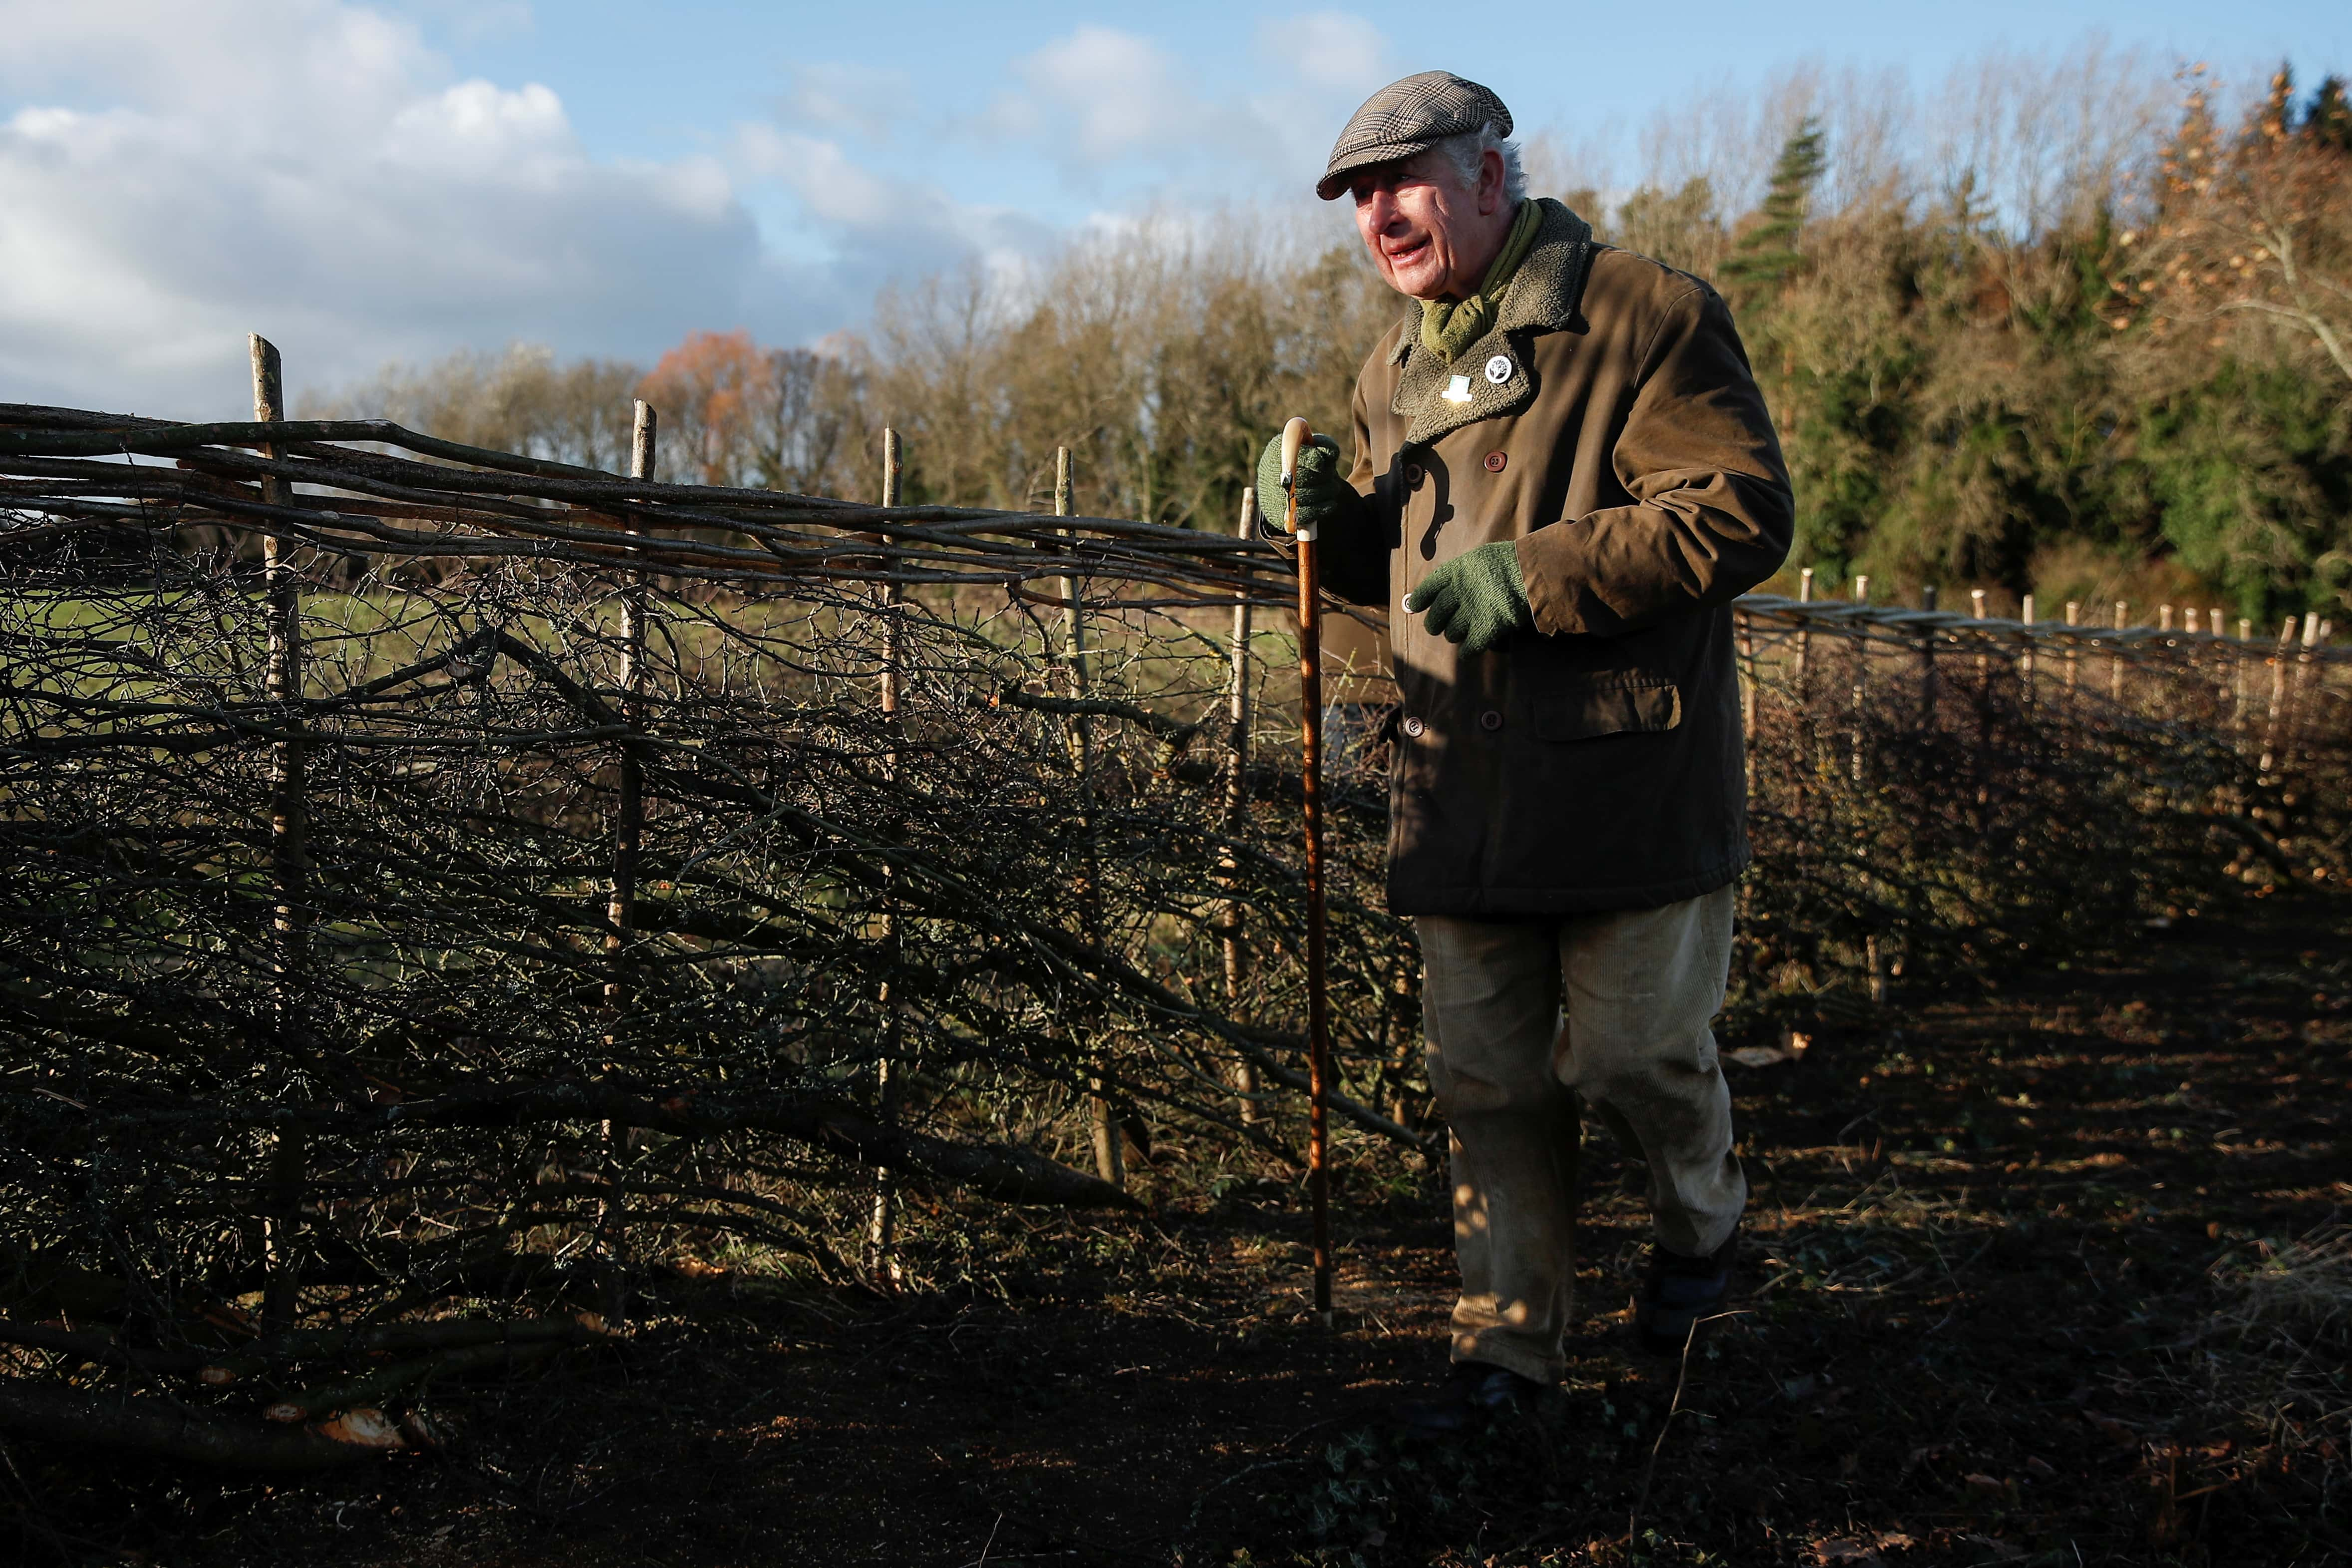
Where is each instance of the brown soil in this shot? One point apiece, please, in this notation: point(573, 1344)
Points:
point(1988, 1317)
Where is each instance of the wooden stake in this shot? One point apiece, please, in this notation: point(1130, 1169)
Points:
point(628, 833)
point(1746, 679)
point(2025, 659)
point(2240, 712)
point(288, 860)
point(2271, 731)
point(2074, 618)
point(2217, 657)
point(1927, 661)
point(628, 843)
point(1801, 697)
point(2298, 695)
point(2164, 625)
point(881, 1258)
point(1860, 680)
point(1984, 659)
point(1073, 639)
point(1237, 736)
point(2116, 662)
point(1873, 950)
point(1984, 698)
point(1804, 634)
point(1110, 1157)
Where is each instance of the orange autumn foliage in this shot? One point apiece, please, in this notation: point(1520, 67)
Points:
point(734, 413)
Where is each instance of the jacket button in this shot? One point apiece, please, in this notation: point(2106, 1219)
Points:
point(1495, 461)
point(1490, 721)
point(1413, 476)
point(1415, 726)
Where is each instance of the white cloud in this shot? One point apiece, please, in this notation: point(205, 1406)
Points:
point(476, 126)
point(831, 186)
point(1335, 61)
point(867, 99)
point(176, 174)
point(878, 227)
point(1099, 101)
point(1123, 92)
point(1330, 51)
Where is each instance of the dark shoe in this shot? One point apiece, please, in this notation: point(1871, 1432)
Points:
point(1681, 1291)
point(1474, 1393)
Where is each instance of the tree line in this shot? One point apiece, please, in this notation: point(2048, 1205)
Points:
point(2089, 335)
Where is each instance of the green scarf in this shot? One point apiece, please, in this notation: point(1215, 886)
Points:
point(1449, 326)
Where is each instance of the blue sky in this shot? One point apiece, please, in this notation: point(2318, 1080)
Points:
point(918, 91)
point(370, 182)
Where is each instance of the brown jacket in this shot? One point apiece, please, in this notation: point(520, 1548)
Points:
point(1612, 429)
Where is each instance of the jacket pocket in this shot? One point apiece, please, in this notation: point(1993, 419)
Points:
point(1608, 705)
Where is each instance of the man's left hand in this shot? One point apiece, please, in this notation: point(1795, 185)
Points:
point(1476, 599)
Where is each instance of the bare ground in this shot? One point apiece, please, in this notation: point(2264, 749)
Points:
point(2024, 1287)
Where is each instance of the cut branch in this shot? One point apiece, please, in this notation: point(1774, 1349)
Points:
point(172, 1431)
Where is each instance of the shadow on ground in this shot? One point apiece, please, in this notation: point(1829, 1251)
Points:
point(2024, 1285)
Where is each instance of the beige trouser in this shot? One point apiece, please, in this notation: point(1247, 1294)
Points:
point(1526, 1017)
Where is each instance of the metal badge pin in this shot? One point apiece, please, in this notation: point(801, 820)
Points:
point(1498, 369)
point(1458, 390)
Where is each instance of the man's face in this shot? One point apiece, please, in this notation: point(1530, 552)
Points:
point(1429, 232)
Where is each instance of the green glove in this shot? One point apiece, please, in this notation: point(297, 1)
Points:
point(1322, 492)
point(1476, 599)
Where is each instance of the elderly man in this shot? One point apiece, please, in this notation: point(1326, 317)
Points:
point(1563, 473)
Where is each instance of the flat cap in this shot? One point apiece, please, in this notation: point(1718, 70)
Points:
point(1408, 117)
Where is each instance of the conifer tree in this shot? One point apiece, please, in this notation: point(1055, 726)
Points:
point(2329, 119)
point(1766, 253)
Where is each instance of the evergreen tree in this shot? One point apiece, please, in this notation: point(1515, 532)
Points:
point(1767, 254)
point(2329, 119)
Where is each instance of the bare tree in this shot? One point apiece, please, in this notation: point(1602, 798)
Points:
point(2255, 224)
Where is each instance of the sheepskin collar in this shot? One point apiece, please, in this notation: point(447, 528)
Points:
point(1542, 297)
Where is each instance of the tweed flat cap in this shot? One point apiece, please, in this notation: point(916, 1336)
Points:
point(1408, 117)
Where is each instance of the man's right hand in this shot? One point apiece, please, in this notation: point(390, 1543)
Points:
point(1322, 492)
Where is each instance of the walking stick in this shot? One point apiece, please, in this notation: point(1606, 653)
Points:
point(1295, 435)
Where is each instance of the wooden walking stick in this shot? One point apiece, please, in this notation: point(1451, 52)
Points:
point(1295, 434)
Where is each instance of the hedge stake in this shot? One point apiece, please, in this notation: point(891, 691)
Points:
point(1295, 435)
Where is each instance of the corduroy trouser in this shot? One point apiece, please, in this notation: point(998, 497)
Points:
point(1525, 1018)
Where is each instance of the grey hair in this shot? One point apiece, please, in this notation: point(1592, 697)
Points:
point(1469, 150)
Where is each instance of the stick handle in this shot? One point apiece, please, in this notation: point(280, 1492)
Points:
point(1295, 434)
point(1310, 733)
